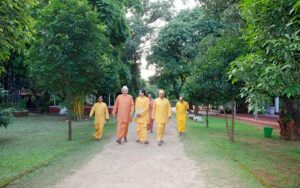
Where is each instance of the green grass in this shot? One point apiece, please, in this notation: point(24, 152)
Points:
point(252, 161)
point(41, 141)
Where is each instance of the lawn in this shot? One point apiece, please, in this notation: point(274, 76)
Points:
point(38, 141)
point(254, 160)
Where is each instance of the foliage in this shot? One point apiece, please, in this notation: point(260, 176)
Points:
point(208, 83)
point(6, 115)
point(272, 67)
point(142, 30)
point(218, 8)
point(16, 26)
point(112, 15)
point(70, 49)
point(175, 48)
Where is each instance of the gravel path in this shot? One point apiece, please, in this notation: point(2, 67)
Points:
point(135, 165)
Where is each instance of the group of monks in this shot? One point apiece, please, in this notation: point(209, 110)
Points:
point(144, 112)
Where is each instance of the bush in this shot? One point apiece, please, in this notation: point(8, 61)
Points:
point(6, 116)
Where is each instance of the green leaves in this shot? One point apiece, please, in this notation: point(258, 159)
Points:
point(68, 55)
point(208, 82)
point(272, 32)
point(176, 47)
point(16, 26)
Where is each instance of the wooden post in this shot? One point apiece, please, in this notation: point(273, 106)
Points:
point(109, 100)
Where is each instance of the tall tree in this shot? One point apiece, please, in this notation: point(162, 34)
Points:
point(272, 67)
point(142, 30)
point(208, 82)
point(175, 48)
point(69, 51)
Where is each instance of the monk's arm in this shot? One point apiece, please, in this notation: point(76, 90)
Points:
point(106, 113)
point(92, 111)
point(116, 106)
point(131, 106)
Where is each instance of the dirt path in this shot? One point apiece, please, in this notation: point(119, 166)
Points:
point(134, 165)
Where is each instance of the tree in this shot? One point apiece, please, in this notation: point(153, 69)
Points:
point(16, 26)
point(202, 86)
point(141, 28)
point(209, 82)
point(175, 48)
point(69, 51)
point(272, 67)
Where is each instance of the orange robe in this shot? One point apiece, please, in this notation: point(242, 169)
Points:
point(124, 107)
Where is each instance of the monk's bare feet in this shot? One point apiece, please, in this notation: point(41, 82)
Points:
point(180, 133)
point(119, 141)
point(138, 141)
point(146, 142)
point(125, 139)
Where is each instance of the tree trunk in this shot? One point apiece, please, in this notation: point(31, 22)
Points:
point(207, 110)
point(289, 120)
point(227, 127)
point(196, 109)
point(232, 119)
point(69, 102)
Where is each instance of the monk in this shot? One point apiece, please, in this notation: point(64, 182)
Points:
point(161, 113)
point(181, 109)
point(150, 124)
point(101, 116)
point(142, 117)
point(124, 108)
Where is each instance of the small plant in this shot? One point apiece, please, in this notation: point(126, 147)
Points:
point(6, 115)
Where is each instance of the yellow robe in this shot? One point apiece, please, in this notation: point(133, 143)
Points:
point(160, 113)
point(181, 108)
point(101, 115)
point(142, 107)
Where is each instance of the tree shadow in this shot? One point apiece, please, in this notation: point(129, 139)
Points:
point(9, 140)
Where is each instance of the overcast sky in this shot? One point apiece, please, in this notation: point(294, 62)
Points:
point(179, 5)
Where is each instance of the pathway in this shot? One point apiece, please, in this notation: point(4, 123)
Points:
point(135, 165)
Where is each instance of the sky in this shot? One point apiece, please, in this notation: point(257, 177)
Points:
point(179, 5)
